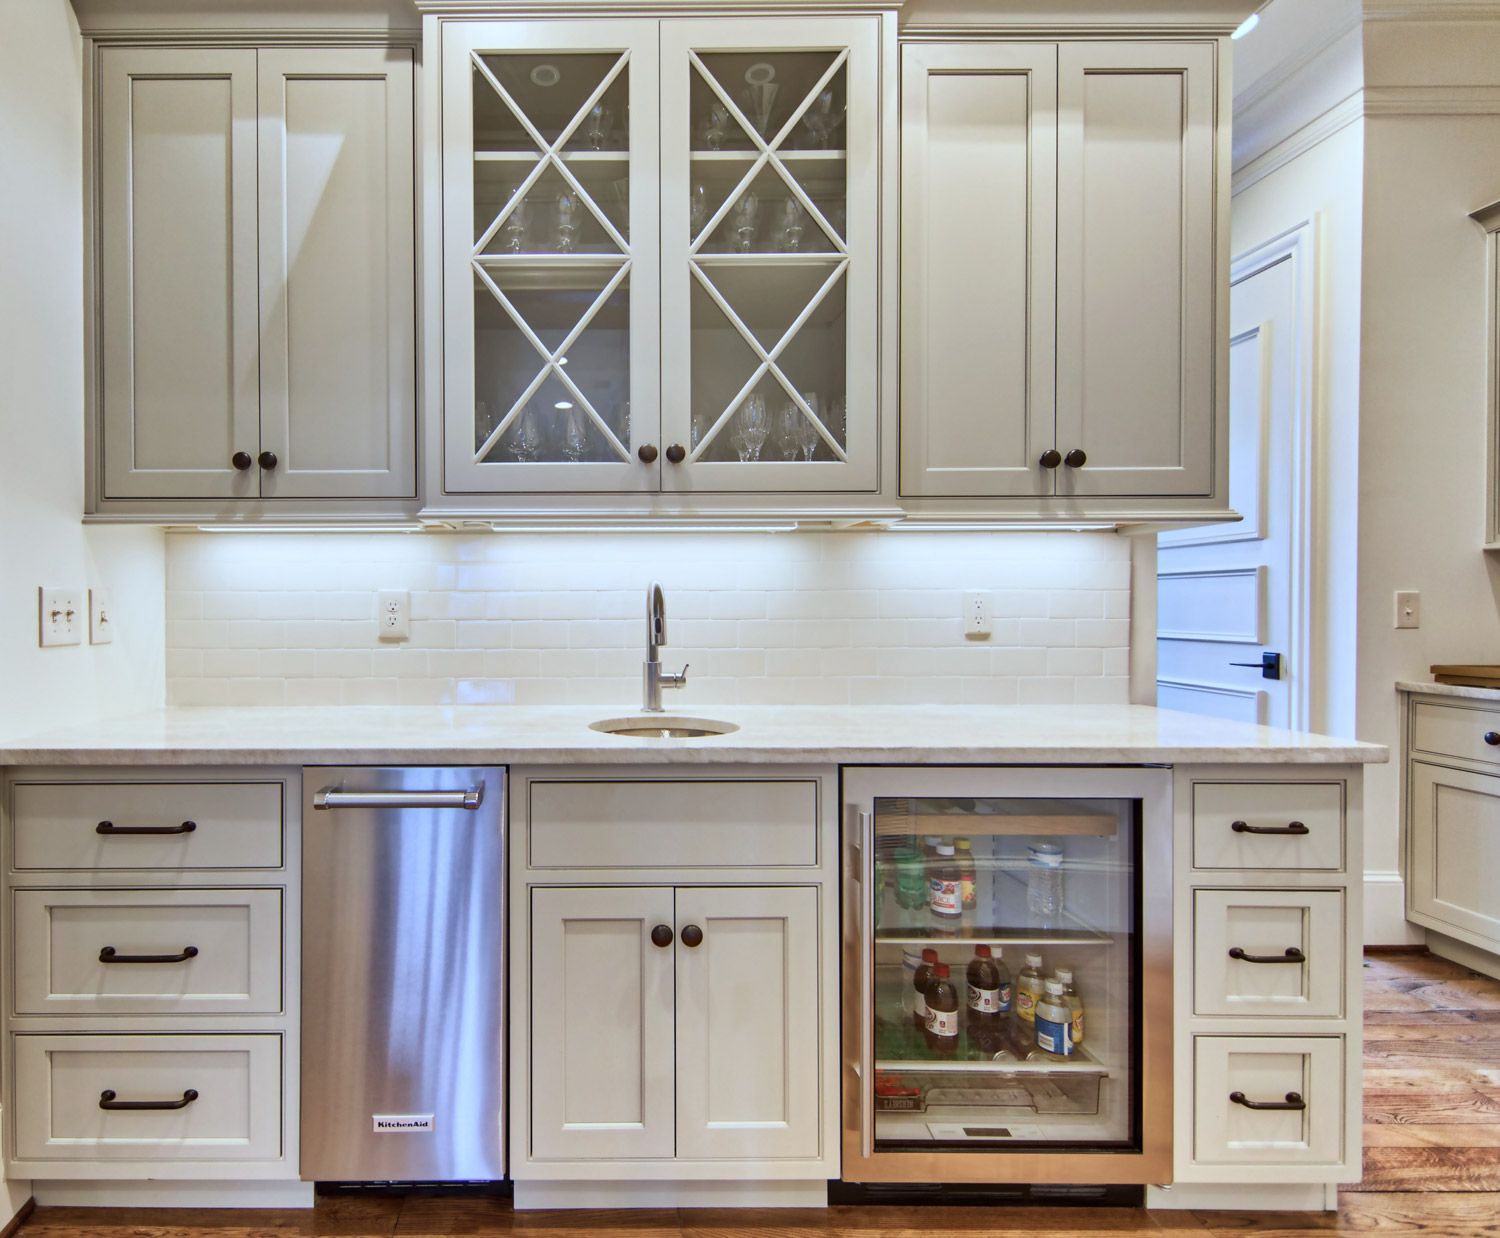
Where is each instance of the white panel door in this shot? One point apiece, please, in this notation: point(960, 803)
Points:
point(770, 223)
point(599, 1011)
point(978, 267)
point(1225, 594)
point(178, 292)
point(551, 270)
point(1135, 268)
point(1455, 852)
point(747, 1023)
point(337, 272)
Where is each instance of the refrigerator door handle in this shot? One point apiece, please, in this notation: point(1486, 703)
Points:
point(864, 854)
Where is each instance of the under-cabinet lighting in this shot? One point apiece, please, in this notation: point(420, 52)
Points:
point(978, 526)
point(498, 527)
point(300, 528)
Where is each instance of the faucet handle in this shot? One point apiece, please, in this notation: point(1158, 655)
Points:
point(679, 680)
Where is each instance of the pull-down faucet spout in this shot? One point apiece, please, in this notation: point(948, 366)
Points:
point(653, 678)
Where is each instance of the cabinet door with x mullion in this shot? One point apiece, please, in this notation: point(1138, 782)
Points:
point(551, 265)
point(769, 217)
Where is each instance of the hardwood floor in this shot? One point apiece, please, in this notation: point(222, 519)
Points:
point(1432, 1161)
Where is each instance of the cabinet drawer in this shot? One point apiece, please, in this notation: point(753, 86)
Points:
point(60, 1082)
point(1455, 731)
point(678, 824)
point(234, 825)
point(1226, 816)
point(1264, 1069)
point(1265, 924)
point(234, 937)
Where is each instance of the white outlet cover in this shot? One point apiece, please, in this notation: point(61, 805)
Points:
point(976, 614)
point(393, 614)
point(101, 617)
point(60, 616)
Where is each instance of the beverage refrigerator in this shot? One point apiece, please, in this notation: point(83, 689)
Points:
point(1008, 878)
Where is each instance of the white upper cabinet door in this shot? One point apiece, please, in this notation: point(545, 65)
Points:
point(177, 277)
point(747, 1023)
point(550, 256)
point(337, 273)
point(1136, 330)
point(978, 268)
point(599, 1009)
point(770, 131)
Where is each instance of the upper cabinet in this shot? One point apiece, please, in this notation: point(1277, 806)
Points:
point(255, 279)
point(660, 257)
point(1061, 274)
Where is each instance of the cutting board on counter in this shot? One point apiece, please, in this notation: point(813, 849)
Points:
point(1468, 676)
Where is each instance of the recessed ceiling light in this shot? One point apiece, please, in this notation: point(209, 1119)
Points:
point(546, 75)
point(563, 404)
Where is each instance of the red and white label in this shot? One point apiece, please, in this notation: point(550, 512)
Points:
point(942, 1022)
point(946, 897)
point(985, 1001)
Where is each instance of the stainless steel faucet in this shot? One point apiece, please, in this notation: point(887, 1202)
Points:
point(654, 679)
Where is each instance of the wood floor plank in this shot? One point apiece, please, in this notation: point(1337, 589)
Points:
point(1449, 1135)
point(437, 1215)
point(1430, 1169)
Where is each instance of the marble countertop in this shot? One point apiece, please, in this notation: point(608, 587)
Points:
point(819, 735)
point(1448, 689)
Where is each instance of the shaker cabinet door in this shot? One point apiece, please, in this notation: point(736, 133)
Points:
point(747, 1023)
point(1455, 852)
point(337, 273)
point(1136, 290)
point(978, 268)
point(177, 272)
point(599, 1009)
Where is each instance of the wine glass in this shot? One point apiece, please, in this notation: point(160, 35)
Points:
point(805, 434)
point(527, 445)
point(716, 126)
point(697, 210)
point(823, 119)
point(516, 224)
point(792, 224)
point(751, 428)
point(575, 434)
point(788, 430)
point(758, 99)
point(567, 212)
point(745, 220)
point(598, 126)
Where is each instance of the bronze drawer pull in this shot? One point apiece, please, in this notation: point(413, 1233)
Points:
point(108, 955)
point(109, 827)
point(1292, 955)
point(1293, 1101)
point(1295, 827)
point(107, 1101)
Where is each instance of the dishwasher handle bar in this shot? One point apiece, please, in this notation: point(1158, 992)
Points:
point(331, 797)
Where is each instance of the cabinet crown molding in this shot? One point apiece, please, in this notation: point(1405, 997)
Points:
point(648, 8)
point(104, 18)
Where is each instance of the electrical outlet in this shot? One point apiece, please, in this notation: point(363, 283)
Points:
point(101, 617)
point(393, 607)
point(976, 614)
point(1408, 608)
point(60, 616)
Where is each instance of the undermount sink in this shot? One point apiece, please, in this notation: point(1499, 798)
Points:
point(665, 726)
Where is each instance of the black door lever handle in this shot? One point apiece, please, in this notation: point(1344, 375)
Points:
point(1270, 665)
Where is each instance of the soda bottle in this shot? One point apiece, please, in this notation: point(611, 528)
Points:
point(942, 1013)
point(1029, 988)
point(1074, 1002)
point(985, 1017)
point(968, 872)
point(919, 983)
point(1054, 1021)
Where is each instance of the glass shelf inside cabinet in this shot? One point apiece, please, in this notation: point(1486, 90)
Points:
point(768, 256)
point(1027, 909)
point(551, 257)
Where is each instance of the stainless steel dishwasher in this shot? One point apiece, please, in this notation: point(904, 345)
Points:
point(403, 974)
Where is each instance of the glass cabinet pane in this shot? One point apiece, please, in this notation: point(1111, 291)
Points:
point(1006, 976)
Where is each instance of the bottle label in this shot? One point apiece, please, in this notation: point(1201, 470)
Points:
point(1026, 1004)
point(971, 895)
point(942, 1022)
point(1005, 997)
point(985, 1001)
point(946, 897)
point(1054, 1037)
point(1077, 1026)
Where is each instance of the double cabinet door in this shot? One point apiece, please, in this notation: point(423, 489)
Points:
point(660, 255)
point(674, 1023)
point(1058, 281)
point(256, 283)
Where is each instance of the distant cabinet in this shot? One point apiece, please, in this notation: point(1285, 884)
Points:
point(1061, 235)
point(255, 275)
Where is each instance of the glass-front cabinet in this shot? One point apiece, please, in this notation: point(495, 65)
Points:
point(660, 255)
point(1010, 978)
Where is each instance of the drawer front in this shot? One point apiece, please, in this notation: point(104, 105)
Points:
point(707, 824)
point(1455, 731)
point(1263, 925)
point(1455, 850)
point(234, 825)
point(1220, 807)
point(60, 1081)
point(1264, 1069)
point(232, 936)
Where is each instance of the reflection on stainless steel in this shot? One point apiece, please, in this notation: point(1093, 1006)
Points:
point(403, 974)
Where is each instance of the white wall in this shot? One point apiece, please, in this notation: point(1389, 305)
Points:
point(1422, 419)
point(764, 618)
point(42, 540)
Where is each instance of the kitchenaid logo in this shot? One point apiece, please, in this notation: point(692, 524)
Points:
point(394, 1123)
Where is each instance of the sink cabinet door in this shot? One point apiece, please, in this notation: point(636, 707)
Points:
point(747, 1023)
point(599, 1011)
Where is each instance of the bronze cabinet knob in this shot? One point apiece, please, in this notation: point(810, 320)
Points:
point(661, 936)
point(1051, 458)
point(268, 460)
point(692, 935)
point(1492, 738)
point(1075, 459)
point(647, 453)
point(241, 460)
point(676, 453)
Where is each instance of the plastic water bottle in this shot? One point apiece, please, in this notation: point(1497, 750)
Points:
point(1044, 880)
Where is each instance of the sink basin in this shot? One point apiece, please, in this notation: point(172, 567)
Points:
point(663, 726)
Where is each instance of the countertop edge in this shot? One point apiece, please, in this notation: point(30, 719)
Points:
point(1448, 689)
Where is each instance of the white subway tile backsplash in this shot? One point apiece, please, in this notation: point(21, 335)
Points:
point(770, 618)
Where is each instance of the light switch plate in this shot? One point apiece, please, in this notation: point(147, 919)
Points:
point(60, 616)
point(393, 613)
point(1408, 608)
point(101, 617)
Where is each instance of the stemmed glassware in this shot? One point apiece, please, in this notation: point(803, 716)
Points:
point(527, 444)
point(568, 211)
point(751, 428)
point(823, 118)
point(598, 126)
point(802, 433)
point(516, 224)
point(716, 126)
point(575, 434)
point(697, 209)
point(793, 226)
point(745, 220)
point(758, 99)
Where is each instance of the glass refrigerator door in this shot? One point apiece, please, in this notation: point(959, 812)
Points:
point(1006, 974)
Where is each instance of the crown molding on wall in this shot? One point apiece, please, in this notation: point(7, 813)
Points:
point(1268, 83)
point(1432, 10)
point(193, 17)
point(1336, 118)
point(1432, 101)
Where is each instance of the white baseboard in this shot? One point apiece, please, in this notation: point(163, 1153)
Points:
point(156, 1194)
point(1385, 912)
point(1238, 1197)
point(1475, 958)
point(530, 1195)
